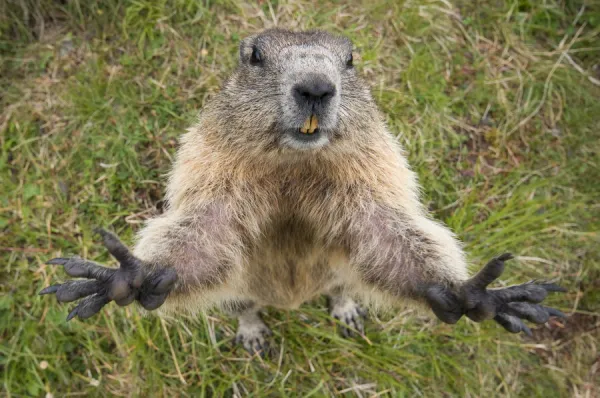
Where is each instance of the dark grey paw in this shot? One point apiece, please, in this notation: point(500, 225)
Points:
point(254, 336)
point(507, 306)
point(123, 285)
point(349, 313)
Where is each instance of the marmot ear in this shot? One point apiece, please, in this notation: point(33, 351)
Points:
point(246, 48)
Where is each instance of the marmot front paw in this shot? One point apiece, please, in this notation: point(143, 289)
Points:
point(507, 306)
point(123, 285)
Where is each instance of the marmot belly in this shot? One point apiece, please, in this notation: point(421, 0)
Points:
point(290, 266)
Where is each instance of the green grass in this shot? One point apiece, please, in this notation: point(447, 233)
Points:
point(497, 103)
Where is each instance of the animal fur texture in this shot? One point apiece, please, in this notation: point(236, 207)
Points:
point(250, 220)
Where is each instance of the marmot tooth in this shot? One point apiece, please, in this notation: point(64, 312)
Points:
point(314, 123)
point(306, 127)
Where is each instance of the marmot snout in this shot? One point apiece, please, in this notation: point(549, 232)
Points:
point(305, 78)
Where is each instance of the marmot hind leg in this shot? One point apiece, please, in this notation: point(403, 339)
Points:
point(348, 312)
point(252, 331)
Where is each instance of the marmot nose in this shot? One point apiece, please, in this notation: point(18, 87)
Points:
point(316, 91)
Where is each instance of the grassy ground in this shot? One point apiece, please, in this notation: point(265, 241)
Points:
point(498, 104)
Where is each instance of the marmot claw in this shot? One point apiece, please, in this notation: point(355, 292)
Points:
point(102, 285)
point(508, 306)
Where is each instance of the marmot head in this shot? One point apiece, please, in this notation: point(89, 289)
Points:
point(293, 91)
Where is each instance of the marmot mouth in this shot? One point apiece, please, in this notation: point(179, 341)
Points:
point(305, 132)
point(298, 139)
point(308, 136)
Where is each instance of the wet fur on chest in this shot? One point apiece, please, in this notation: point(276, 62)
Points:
point(290, 264)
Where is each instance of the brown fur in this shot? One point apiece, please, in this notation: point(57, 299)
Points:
point(249, 220)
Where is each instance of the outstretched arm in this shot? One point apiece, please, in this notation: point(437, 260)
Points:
point(414, 257)
point(175, 257)
point(507, 306)
point(131, 281)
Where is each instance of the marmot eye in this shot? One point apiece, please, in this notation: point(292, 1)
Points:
point(349, 61)
point(256, 57)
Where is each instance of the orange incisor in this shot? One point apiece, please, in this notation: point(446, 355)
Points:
point(310, 125)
